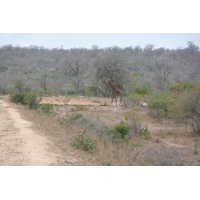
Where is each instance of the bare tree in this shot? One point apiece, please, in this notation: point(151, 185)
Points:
point(110, 66)
point(161, 70)
point(74, 71)
point(43, 82)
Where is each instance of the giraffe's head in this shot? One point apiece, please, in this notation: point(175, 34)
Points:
point(106, 80)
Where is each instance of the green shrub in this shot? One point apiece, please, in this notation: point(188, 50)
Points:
point(72, 92)
point(145, 132)
point(74, 117)
point(138, 96)
point(160, 103)
point(32, 101)
point(43, 93)
point(46, 108)
point(142, 91)
point(18, 98)
point(120, 131)
point(182, 86)
point(2, 68)
point(91, 91)
point(84, 142)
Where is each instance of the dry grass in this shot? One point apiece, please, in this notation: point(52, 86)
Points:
point(108, 153)
point(137, 151)
point(118, 154)
point(50, 127)
point(162, 156)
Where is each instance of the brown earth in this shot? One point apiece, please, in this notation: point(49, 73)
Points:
point(22, 143)
point(26, 140)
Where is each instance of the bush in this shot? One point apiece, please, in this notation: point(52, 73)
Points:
point(145, 132)
point(160, 103)
point(43, 93)
point(2, 68)
point(84, 142)
point(91, 91)
point(142, 91)
point(120, 131)
point(18, 98)
point(162, 156)
point(138, 96)
point(134, 99)
point(182, 86)
point(29, 99)
point(72, 92)
point(46, 108)
point(186, 105)
point(134, 120)
point(74, 117)
point(32, 101)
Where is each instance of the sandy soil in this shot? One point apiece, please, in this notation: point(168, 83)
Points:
point(20, 145)
point(99, 108)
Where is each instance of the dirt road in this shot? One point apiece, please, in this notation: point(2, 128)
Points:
point(20, 145)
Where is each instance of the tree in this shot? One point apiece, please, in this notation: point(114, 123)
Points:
point(148, 50)
point(192, 47)
point(186, 105)
point(110, 66)
point(43, 82)
point(79, 68)
point(75, 70)
point(161, 69)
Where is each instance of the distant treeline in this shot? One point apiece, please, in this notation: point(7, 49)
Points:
point(82, 71)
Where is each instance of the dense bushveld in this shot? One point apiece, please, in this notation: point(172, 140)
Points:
point(82, 71)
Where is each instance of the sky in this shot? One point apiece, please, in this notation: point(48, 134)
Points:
point(102, 40)
point(81, 24)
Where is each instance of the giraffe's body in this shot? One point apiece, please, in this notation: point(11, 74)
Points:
point(116, 91)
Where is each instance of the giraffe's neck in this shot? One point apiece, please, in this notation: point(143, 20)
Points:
point(113, 86)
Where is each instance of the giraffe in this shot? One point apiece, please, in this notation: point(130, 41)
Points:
point(116, 91)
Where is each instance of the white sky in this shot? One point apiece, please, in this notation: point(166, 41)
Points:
point(86, 40)
point(106, 23)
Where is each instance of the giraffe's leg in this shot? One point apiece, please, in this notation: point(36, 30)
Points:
point(114, 97)
point(120, 100)
point(112, 100)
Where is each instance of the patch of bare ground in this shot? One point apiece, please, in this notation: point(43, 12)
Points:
point(20, 145)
